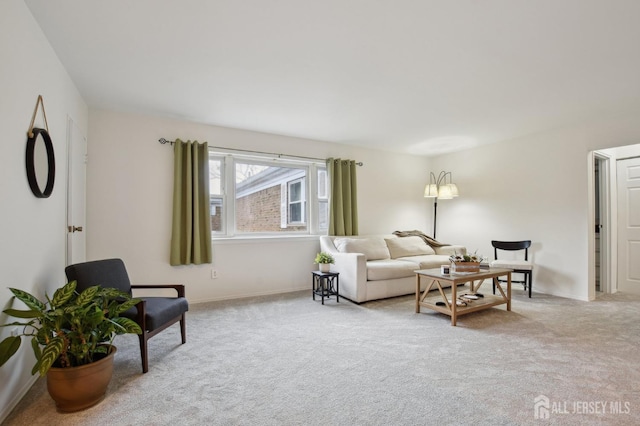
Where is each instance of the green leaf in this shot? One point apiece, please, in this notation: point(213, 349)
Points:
point(64, 294)
point(50, 353)
point(28, 299)
point(126, 325)
point(8, 347)
point(94, 317)
point(114, 293)
point(36, 348)
point(87, 296)
point(126, 305)
point(36, 368)
point(38, 353)
point(102, 349)
point(23, 314)
point(43, 335)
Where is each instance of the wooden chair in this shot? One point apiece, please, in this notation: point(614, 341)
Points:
point(153, 314)
point(522, 266)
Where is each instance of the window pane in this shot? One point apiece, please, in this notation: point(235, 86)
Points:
point(216, 215)
point(215, 176)
point(295, 212)
point(323, 215)
point(262, 202)
point(322, 184)
point(295, 192)
point(323, 200)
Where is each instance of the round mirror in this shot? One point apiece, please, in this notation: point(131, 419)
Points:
point(41, 163)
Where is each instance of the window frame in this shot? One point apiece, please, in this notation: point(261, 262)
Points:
point(222, 196)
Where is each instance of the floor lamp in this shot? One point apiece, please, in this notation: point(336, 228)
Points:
point(439, 188)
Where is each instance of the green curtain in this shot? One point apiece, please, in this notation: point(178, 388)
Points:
point(191, 227)
point(343, 207)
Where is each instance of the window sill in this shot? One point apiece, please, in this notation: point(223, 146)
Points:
point(264, 238)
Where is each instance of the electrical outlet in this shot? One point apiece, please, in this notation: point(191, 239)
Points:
point(214, 274)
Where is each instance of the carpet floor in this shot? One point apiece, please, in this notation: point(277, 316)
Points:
point(288, 360)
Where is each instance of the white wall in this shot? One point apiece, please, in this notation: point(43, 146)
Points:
point(534, 188)
point(32, 247)
point(129, 181)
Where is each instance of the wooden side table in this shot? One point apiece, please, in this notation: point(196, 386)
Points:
point(325, 284)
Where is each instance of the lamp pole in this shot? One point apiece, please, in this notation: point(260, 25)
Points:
point(435, 213)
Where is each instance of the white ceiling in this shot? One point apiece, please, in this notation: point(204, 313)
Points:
point(421, 76)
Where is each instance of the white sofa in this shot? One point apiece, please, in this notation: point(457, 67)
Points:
point(379, 266)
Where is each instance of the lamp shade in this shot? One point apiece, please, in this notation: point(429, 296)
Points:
point(454, 190)
point(444, 192)
point(431, 190)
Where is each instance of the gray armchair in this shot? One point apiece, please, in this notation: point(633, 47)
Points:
point(153, 314)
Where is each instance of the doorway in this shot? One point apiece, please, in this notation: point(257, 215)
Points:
point(628, 177)
point(601, 197)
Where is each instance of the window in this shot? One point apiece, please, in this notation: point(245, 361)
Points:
point(296, 201)
point(252, 196)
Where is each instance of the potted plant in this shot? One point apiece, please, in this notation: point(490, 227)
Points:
point(71, 336)
point(324, 261)
point(465, 262)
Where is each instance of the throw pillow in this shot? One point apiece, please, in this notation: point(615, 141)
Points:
point(407, 246)
point(372, 248)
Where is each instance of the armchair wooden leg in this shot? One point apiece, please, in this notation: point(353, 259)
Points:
point(183, 329)
point(143, 352)
point(530, 282)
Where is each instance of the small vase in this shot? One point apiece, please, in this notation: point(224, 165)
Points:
point(324, 267)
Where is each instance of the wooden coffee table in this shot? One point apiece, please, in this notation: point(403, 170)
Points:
point(439, 301)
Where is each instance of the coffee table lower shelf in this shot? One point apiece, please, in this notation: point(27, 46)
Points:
point(429, 299)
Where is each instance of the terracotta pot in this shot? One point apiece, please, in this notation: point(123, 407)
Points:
point(78, 388)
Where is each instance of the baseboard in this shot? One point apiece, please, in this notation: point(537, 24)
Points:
point(4, 413)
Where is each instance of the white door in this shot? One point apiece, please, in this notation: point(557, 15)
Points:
point(76, 193)
point(629, 225)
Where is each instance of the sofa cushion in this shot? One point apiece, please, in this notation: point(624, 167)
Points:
point(407, 246)
point(373, 248)
point(389, 269)
point(430, 261)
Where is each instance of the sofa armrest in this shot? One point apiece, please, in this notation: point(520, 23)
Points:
point(451, 250)
point(353, 275)
point(352, 268)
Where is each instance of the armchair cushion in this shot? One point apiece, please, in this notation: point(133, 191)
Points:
point(160, 310)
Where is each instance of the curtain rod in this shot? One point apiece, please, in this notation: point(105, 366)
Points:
point(164, 141)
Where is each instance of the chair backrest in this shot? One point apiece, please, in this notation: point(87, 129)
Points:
point(105, 273)
point(511, 246)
